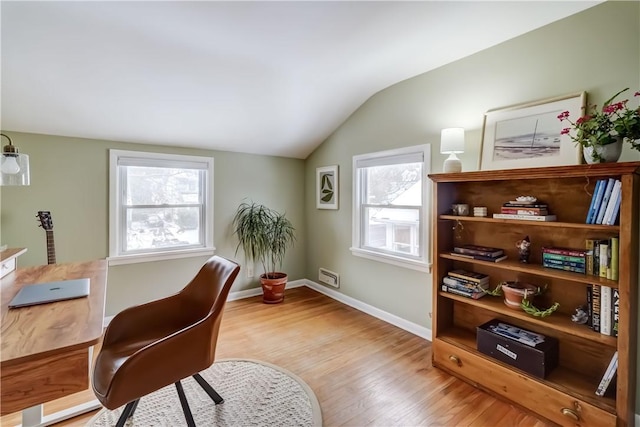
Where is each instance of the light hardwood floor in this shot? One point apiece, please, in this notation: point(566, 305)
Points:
point(363, 370)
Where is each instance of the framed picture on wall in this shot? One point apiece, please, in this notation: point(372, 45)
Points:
point(327, 187)
point(529, 135)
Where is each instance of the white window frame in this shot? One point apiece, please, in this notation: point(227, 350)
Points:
point(420, 263)
point(116, 207)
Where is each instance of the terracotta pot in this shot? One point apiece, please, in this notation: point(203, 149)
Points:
point(273, 287)
point(515, 292)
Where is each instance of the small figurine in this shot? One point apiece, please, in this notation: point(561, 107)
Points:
point(581, 315)
point(523, 249)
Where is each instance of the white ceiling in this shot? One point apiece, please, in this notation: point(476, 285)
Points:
point(271, 78)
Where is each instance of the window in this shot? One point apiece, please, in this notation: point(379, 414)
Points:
point(390, 206)
point(161, 206)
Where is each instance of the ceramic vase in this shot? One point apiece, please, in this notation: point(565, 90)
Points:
point(608, 153)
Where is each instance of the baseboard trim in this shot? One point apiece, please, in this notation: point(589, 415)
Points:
point(638, 419)
point(401, 323)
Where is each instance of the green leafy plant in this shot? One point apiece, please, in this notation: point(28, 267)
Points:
point(534, 311)
point(264, 235)
point(602, 127)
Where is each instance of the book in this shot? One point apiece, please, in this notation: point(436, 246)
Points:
point(596, 256)
point(466, 282)
point(589, 244)
point(595, 308)
point(611, 202)
point(569, 258)
point(481, 257)
point(589, 305)
point(464, 285)
point(565, 263)
point(604, 258)
point(526, 217)
point(563, 266)
point(607, 378)
point(592, 206)
point(605, 200)
point(597, 198)
point(525, 205)
point(470, 275)
point(605, 310)
point(616, 208)
point(524, 211)
point(614, 243)
point(565, 251)
point(615, 311)
point(478, 250)
point(464, 293)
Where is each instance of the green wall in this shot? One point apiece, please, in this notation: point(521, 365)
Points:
point(597, 51)
point(69, 177)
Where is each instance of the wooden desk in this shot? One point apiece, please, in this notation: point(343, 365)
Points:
point(45, 348)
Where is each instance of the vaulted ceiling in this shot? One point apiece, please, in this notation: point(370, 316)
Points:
point(262, 77)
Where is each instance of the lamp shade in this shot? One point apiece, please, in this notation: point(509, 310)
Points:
point(14, 166)
point(452, 140)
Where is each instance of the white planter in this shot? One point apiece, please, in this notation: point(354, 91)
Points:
point(608, 153)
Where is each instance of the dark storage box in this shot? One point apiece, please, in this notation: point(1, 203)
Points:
point(534, 353)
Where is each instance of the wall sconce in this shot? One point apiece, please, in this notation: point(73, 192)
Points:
point(14, 166)
point(452, 143)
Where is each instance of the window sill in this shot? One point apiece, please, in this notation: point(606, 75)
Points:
point(163, 256)
point(394, 260)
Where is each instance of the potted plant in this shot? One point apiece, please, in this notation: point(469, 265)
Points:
point(602, 132)
point(265, 235)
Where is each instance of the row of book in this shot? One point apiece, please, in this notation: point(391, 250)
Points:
point(465, 283)
point(603, 305)
point(525, 211)
point(605, 202)
point(599, 258)
point(484, 253)
point(602, 257)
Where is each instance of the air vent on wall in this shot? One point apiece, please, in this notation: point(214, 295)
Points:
point(328, 277)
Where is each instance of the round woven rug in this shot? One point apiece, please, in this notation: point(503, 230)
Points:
point(255, 393)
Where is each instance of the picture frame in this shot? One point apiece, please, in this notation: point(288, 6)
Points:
point(327, 184)
point(529, 135)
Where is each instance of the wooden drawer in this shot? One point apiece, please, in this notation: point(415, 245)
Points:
point(518, 388)
point(7, 267)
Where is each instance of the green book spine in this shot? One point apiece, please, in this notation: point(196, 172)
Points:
point(615, 249)
point(589, 245)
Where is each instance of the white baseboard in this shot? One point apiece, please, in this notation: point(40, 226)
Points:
point(352, 302)
point(638, 419)
point(401, 323)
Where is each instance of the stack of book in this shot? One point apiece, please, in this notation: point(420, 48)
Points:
point(605, 202)
point(465, 283)
point(603, 305)
point(565, 259)
point(602, 257)
point(484, 253)
point(534, 211)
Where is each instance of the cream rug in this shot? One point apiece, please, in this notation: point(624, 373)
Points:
point(255, 394)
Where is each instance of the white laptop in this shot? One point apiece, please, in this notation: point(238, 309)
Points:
point(43, 293)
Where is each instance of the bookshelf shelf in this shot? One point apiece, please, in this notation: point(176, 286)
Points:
point(547, 224)
point(569, 389)
point(560, 323)
point(538, 270)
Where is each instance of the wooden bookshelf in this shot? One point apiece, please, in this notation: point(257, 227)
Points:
point(567, 395)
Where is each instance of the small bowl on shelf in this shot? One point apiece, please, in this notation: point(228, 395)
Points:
point(514, 292)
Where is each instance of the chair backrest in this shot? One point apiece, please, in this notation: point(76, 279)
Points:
point(205, 296)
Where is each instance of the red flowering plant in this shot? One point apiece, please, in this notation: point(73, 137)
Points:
point(614, 122)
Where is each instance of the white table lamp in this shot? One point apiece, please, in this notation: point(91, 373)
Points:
point(452, 143)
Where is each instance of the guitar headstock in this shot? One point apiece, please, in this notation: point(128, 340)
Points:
point(45, 220)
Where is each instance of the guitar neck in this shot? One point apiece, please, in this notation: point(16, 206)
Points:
point(51, 248)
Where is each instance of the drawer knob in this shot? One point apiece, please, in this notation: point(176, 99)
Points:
point(570, 413)
point(455, 359)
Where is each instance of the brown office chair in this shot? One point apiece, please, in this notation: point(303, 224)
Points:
point(150, 346)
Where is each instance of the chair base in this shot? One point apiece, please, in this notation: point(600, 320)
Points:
point(130, 408)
